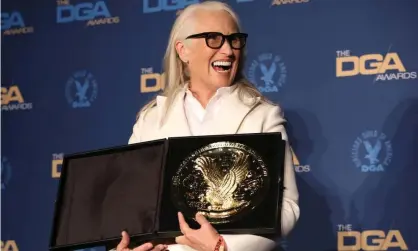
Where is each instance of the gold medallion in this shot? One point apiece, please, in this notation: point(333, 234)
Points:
point(223, 181)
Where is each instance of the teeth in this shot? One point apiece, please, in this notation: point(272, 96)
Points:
point(222, 63)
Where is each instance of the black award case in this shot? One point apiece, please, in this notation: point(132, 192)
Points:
point(141, 187)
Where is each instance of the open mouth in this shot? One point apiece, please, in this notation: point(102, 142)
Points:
point(222, 66)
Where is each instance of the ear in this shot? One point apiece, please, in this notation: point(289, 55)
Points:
point(182, 51)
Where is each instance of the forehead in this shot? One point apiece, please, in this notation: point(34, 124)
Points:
point(214, 20)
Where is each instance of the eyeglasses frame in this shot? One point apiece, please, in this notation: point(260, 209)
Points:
point(229, 37)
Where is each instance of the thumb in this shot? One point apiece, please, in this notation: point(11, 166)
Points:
point(182, 240)
point(201, 219)
point(124, 242)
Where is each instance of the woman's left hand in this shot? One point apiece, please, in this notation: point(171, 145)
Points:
point(202, 239)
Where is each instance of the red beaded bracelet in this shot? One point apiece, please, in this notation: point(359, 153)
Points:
point(220, 245)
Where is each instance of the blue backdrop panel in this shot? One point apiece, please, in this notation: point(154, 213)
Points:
point(344, 71)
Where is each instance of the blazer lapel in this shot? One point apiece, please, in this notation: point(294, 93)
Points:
point(175, 123)
point(231, 113)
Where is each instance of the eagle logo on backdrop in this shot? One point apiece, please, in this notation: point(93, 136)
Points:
point(268, 72)
point(6, 172)
point(81, 89)
point(372, 151)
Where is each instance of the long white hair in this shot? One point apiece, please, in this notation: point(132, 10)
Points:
point(175, 74)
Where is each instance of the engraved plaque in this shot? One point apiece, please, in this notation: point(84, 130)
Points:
point(223, 181)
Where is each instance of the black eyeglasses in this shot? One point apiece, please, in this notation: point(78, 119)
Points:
point(215, 40)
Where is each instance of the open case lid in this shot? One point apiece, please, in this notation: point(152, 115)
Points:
point(106, 191)
point(131, 188)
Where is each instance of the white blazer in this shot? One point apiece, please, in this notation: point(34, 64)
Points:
point(234, 117)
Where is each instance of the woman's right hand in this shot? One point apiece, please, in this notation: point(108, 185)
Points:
point(123, 245)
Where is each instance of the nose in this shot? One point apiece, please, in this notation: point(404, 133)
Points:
point(226, 48)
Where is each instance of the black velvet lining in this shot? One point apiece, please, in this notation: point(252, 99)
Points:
point(110, 192)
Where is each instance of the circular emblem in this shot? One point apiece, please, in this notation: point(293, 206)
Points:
point(268, 73)
point(6, 172)
point(372, 152)
point(223, 181)
point(81, 89)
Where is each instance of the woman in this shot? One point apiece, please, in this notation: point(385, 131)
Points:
point(206, 93)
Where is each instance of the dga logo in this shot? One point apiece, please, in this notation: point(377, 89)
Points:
point(12, 23)
point(385, 67)
point(9, 245)
point(280, 2)
point(6, 172)
point(151, 6)
point(369, 240)
point(57, 164)
point(268, 72)
point(12, 99)
point(94, 12)
point(297, 165)
point(150, 81)
point(372, 152)
point(81, 89)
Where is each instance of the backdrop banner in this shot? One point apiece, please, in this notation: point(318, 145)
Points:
point(76, 72)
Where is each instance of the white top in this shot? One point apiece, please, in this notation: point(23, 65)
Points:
point(198, 117)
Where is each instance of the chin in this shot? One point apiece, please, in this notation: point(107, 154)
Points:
point(222, 77)
point(222, 82)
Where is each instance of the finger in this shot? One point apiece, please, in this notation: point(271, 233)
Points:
point(144, 247)
point(184, 227)
point(201, 219)
point(183, 240)
point(124, 242)
point(160, 247)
